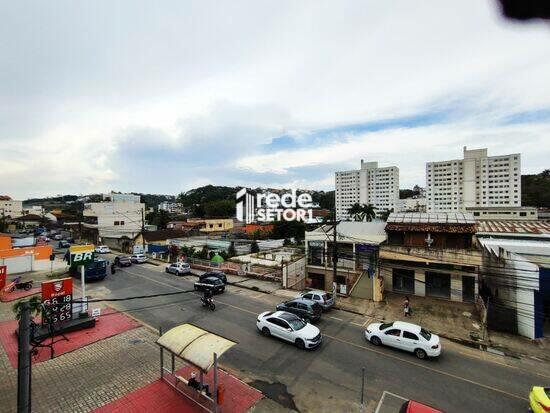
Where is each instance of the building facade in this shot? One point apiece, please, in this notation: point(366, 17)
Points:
point(171, 207)
point(368, 185)
point(431, 255)
point(357, 272)
point(10, 208)
point(118, 215)
point(504, 213)
point(477, 180)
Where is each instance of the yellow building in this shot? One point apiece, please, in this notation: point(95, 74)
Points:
point(217, 225)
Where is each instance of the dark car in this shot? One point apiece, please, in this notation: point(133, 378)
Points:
point(303, 308)
point(217, 274)
point(210, 283)
point(123, 261)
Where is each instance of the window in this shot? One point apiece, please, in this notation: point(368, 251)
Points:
point(117, 223)
point(394, 332)
point(410, 336)
point(426, 334)
point(523, 214)
point(385, 325)
point(219, 225)
point(308, 296)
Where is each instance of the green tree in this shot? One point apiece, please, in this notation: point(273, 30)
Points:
point(289, 229)
point(35, 303)
point(384, 215)
point(356, 212)
point(254, 248)
point(535, 189)
point(362, 212)
point(219, 209)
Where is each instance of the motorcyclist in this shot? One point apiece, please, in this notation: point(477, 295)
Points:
point(207, 297)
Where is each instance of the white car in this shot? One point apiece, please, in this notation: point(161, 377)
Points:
point(102, 249)
point(289, 327)
point(138, 258)
point(58, 237)
point(179, 268)
point(404, 336)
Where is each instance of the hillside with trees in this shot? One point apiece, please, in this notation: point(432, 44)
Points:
point(535, 189)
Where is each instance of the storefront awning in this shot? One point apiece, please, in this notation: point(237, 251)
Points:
point(194, 345)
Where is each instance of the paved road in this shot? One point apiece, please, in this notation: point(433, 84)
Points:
point(327, 379)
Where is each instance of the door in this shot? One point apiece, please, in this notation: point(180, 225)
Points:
point(403, 280)
point(468, 289)
point(317, 280)
point(438, 285)
point(286, 331)
point(409, 341)
point(392, 337)
point(275, 327)
point(302, 310)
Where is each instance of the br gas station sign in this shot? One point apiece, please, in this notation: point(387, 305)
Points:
point(81, 254)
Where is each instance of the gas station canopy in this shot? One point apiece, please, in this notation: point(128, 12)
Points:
point(194, 345)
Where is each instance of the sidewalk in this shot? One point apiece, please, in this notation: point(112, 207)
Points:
point(452, 320)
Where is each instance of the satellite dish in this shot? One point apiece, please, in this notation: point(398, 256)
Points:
point(429, 241)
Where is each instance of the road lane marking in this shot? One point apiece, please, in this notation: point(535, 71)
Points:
point(384, 396)
point(258, 295)
point(414, 363)
point(357, 324)
point(364, 347)
point(335, 318)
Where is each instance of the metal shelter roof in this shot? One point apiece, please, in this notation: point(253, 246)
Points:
point(431, 218)
point(194, 345)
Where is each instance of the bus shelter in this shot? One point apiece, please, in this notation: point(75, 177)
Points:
point(201, 349)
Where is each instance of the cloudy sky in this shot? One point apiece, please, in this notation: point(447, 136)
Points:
point(161, 97)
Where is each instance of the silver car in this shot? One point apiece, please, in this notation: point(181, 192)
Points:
point(324, 299)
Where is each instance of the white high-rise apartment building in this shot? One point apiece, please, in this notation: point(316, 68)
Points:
point(477, 180)
point(368, 185)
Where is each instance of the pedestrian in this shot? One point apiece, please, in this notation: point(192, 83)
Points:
point(113, 270)
point(407, 306)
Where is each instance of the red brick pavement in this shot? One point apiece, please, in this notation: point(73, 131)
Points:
point(157, 397)
point(160, 397)
point(109, 324)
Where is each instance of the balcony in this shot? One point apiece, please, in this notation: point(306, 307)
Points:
point(463, 257)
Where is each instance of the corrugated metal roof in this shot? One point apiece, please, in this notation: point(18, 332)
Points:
point(431, 217)
point(515, 227)
point(194, 345)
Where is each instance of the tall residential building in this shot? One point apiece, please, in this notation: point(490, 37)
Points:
point(368, 185)
point(477, 180)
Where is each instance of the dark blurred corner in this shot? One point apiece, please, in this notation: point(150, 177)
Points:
point(526, 9)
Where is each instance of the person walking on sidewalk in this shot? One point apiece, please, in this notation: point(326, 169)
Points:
point(407, 306)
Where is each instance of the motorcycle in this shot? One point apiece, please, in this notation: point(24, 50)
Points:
point(209, 303)
point(17, 284)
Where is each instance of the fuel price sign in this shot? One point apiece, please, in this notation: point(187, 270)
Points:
point(57, 298)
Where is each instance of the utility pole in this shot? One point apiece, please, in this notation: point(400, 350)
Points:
point(24, 360)
point(334, 249)
point(143, 229)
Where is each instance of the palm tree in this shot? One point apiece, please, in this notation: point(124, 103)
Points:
point(362, 212)
point(35, 303)
point(356, 212)
point(368, 211)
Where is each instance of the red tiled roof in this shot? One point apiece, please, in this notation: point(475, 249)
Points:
point(516, 227)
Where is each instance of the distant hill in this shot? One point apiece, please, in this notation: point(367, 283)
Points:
point(535, 189)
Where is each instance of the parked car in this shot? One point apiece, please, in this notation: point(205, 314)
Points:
point(404, 336)
point(411, 406)
point(210, 283)
point(70, 240)
point(63, 244)
point(539, 399)
point(44, 238)
point(178, 268)
point(123, 261)
point(102, 249)
point(324, 299)
point(58, 237)
point(289, 327)
point(138, 258)
point(218, 274)
point(303, 308)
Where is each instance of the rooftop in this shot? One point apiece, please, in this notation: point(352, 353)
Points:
point(431, 218)
point(514, 227)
